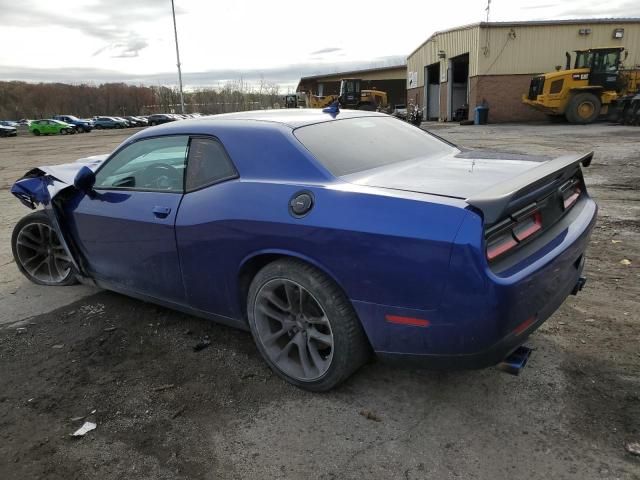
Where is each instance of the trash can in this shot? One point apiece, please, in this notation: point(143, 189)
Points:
point(481, 115)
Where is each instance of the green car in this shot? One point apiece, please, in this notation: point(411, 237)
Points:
point(50, 127)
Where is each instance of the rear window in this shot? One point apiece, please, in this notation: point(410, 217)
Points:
point(357, 144)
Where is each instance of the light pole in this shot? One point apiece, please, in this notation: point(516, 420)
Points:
point(175, 32)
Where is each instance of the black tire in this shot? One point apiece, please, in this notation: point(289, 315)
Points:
point(64, 131)
point(33, 252)
point(583, 108)
point(367, 107)
point(99, 127)
point(636, 112)
point(556, 119)
point(350, 348)
point(36, 132)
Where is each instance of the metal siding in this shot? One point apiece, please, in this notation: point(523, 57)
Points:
point(535, 48)
point(383, 74)
point(454, 43)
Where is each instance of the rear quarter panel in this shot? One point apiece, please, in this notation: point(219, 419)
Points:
point(379, 246)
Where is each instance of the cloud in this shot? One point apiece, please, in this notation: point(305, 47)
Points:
point(111, 22)
point(625, 10)
point(326, 50)
point(128, 49)
point(287, 75)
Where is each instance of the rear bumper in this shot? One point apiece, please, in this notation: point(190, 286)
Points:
point(484, 316)
point(493, 355)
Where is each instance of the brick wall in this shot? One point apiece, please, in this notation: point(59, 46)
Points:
point(503, 95)
point(414, 94)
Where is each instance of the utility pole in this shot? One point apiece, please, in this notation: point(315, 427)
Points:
point(175, 32)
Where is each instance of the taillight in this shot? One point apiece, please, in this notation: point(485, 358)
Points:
point(570, 197)
point(500, 245)
point(570, 192)
point(528, 226)
point(510, 233)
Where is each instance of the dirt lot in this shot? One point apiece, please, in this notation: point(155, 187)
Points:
point(166, 412)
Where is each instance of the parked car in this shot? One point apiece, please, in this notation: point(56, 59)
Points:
point(51, 127)
point(137, 121)
point(160, 118)
point(24, 122)
point(327, 236)
point(109, 122)
point(400, 111)
point(7, 131)
point(82, 125)
point(126, 122)
point(8, 123)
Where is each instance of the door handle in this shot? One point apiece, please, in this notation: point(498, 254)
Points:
point(161, 212)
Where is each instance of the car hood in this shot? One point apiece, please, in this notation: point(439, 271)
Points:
point(457, 175)
point(40, 185)
point(66, 172)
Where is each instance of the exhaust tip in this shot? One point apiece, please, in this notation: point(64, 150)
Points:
point(579, 285)
point(516, 361)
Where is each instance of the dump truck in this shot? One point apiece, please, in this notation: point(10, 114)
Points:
point(597, 84)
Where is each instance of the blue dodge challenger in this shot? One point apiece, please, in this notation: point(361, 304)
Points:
point(328, 234)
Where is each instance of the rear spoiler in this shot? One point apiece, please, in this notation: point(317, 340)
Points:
point(496, 201)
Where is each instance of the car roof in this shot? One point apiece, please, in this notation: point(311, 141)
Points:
point(293, 117)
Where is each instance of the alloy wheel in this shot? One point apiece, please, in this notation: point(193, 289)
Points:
point(293, 329)
point(41, 254)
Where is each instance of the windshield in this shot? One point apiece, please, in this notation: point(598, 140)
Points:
point(583, 59)
point(358, 144)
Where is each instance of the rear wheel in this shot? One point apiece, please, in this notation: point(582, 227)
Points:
point(304, 326)
point(38, 252)
point(583, 108)
point(99, 127)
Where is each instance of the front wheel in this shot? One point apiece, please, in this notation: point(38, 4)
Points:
point(583, 108)
point(304, 326)
point(38, 252)
point(64, 131)
point(36, 132)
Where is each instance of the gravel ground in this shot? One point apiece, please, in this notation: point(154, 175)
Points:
point(164, 411)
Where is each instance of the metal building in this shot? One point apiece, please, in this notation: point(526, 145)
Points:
point(387, 79)
point(492, 63)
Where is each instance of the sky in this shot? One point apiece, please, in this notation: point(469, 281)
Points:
point(132, 40)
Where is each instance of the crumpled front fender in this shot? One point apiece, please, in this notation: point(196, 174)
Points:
point(33, 189)
point(40, 185)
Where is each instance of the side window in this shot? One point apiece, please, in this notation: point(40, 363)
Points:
point(155, 164)
point(208, 163)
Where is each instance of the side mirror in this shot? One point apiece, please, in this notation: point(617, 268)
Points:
point(84, 180)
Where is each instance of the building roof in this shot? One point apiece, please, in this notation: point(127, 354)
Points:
point(531, 23)
point(354, 72)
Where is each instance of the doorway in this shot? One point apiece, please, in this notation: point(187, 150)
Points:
point(432, 91)
point(458, 88)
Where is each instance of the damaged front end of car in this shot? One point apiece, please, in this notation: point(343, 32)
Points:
point(43, 186)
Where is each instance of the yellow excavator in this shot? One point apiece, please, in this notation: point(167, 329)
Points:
point(597, 84)
point(352, 97)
